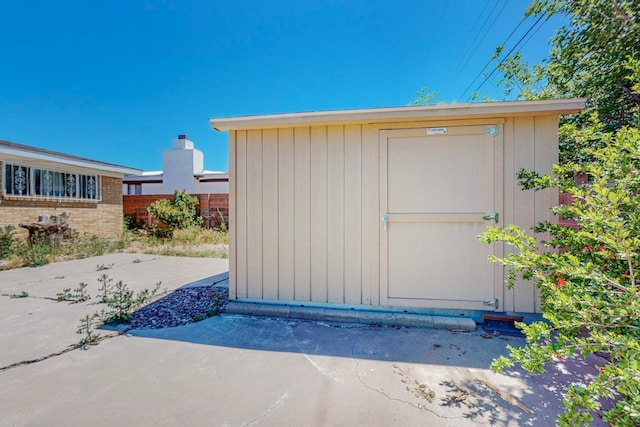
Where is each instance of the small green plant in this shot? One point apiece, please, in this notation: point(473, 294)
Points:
point(132, 224)
point(198, 318)
point(6, 241)
point(145, 295)
point(35, 253)
point(86, 328)
point(216, 306)
point(101, 267)
point(223, 225)
point(22, 294)
point(78, 295)
point(137, 261)
point(122, 301)
point(104, 289)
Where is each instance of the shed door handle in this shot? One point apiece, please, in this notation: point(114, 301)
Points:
point(384, 220)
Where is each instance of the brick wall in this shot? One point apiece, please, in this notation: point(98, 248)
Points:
point(210, 206)
point(566, 199)
point(214, 208)
point(102, 219)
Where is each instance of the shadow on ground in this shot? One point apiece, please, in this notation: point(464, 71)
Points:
point(384, 343)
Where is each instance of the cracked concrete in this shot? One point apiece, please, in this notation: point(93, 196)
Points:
point(243, 371)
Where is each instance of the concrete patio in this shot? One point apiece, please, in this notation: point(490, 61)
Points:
point(235, 370)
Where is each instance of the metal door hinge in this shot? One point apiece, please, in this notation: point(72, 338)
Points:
point(495, 217)
point(495, 303)
point(493, 130)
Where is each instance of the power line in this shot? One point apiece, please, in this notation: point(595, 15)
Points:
point(491, 60)
point(459, 58)
point(474, 45)
point(507, 55)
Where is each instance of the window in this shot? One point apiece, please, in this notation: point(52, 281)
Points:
point(135, 189)
point(30, 181)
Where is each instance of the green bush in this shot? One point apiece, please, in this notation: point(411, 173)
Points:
point(6, 241)
point(169, 215)
point(588, 277)
point(34, 253)
point(132, 224)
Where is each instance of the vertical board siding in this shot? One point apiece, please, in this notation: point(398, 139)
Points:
point(353, 214)
point(241, 214)
point(255, 220)
point(286, 223)
point(524, 201)
point(370, 216)
point(546, 155)
point(335, 206)
point(233, 239)
point(270, 214)
point(302, 214)
point(510, 188)
point(319, 214)
point(499, 188)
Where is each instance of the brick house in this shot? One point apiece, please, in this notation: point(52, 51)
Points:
point(36, 181)
point(182, 169)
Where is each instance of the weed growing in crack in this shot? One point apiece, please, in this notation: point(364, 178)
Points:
point(22, 294)
point(216, 308)
point(101, 267)
point(78, 295)
point(122, 301)
point(104, 289)
point(86, 328)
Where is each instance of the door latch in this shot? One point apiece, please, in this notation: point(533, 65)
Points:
point(495, 217)
point(384, 220)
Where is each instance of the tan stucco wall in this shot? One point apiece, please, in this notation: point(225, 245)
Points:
point(102, 219)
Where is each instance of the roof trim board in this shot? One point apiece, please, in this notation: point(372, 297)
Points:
point(401, 114)
point(21, 151)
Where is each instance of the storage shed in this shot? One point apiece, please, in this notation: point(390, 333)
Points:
point(381, 208)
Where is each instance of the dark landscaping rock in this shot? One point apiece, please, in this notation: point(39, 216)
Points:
point(181, 307)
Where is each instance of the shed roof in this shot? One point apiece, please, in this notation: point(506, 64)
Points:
point(402, 114)
point(16, 150)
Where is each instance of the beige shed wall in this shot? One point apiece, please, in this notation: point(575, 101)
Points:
point(305, 209)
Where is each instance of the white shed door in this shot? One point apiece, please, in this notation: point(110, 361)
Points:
point(437, 184)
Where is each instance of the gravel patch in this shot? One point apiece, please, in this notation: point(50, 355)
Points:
point(180, 307)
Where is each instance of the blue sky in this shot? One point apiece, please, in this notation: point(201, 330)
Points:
point(118, 80)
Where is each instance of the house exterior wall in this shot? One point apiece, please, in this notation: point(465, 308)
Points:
point(102, 219)
point(199, 187)
point(305, 207)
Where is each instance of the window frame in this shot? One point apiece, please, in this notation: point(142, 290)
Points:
point(41, 182)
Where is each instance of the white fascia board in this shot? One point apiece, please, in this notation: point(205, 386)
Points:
point(18, 153)
point(412, 113)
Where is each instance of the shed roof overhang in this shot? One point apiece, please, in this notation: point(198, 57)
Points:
point(13, 151)
point(402, 114)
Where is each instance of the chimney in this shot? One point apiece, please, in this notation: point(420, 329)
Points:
point(182, 143)
point(180, 165)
